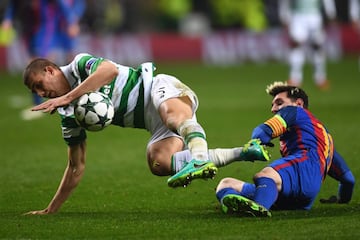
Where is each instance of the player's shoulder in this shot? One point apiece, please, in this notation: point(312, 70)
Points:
point(295, 112)
point(289, 113)
point(83, 55)
point(83, 61)
point(289, 109)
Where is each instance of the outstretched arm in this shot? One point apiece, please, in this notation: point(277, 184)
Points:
point(342, 173)
point(72, 176)
point(103, 75)
point(276, 125)
point(262, 132)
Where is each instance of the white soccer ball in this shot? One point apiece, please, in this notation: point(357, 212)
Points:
point(94, 111)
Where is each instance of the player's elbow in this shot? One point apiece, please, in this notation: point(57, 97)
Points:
point(110, 69)
point(348, 179)
point(114, 72)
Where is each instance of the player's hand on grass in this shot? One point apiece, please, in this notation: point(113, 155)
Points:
point(38, 212)
point(331, 199)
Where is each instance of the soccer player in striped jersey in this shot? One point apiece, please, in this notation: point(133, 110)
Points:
point(161, 104)
point(304, 23)
point(294, 180)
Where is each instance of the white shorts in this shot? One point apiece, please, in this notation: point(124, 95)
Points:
point(307, 27)
point(163, 88)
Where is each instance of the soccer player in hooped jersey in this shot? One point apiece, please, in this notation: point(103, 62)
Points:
point(161, 104)
point(303, 20)
point(294, 180)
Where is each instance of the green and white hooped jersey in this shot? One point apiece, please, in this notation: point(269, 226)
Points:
point(314, 7)
point(129, 93)
point(307, 6)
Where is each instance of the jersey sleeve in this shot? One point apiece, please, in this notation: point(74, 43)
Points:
point(340, 171)
point(85, 64)
point(262, 132)
point(282, 120)
point(72, 133)
point(276, 125)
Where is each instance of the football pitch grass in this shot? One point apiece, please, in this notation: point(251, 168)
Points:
point(118, 197)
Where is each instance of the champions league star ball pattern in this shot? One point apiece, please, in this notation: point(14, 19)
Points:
point(94, 111)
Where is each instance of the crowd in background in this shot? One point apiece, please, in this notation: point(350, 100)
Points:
point(110, 28)
point(116, 16)
point(164, 15)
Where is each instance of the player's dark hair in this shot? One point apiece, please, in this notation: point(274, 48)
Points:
point(292, 92)
point(36, 66)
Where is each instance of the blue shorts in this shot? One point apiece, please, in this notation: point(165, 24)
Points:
point(301, 180)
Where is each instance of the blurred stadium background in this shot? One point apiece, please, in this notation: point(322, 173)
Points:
point(219, 32)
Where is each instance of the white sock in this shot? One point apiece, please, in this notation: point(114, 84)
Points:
point(195, 139)
point(319, 67)
point(296, 60)
point(179, 160)
point(219, 156)
point(224, 156)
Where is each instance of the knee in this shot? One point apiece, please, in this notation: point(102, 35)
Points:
point(157, 165)
point(259, 175)
point(263, 175)
point(226, 183)
point(269, 172)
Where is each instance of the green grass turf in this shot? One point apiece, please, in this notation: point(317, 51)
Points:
point(118, 197)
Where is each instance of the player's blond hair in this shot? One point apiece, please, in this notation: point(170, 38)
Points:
point(270, 88)
point(293, 92)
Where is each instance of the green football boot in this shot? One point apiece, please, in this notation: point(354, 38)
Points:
point(192, 170)
point(236, 204)
point(253, 150)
